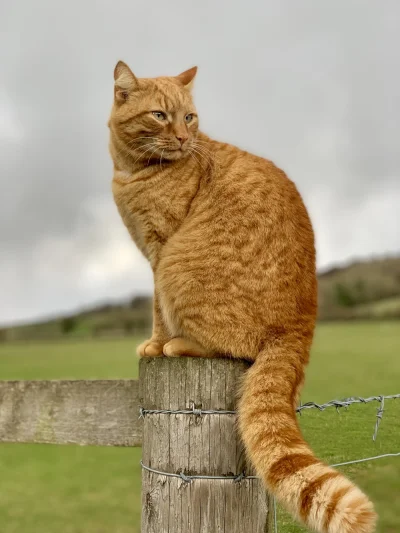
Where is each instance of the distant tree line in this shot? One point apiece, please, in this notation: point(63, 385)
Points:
point(365, 290)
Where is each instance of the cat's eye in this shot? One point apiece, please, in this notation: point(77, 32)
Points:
point(188, 118)
point(159, 115)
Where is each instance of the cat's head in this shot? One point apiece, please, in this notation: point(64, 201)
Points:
point(153, 118)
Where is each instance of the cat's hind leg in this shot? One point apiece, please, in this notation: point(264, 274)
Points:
point(180, 346)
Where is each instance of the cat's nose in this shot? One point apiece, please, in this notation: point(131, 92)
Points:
point(182, 138)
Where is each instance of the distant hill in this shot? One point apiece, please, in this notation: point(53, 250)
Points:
point(367, 289)
point(361, 290)
point(128, 318)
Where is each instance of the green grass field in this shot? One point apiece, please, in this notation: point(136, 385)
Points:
point(61, 489)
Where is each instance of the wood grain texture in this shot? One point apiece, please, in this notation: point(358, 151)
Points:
point(100, 412)
point(206, 445)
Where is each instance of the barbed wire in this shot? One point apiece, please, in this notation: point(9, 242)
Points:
point(191, 411)
point(337, 404)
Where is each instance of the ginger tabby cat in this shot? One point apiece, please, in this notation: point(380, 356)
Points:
point(232, 251)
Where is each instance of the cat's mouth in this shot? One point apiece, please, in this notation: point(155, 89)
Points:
point(176, 153)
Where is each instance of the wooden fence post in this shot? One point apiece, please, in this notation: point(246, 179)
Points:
point(205, 445)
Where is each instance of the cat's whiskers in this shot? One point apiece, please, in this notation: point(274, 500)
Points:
point(206, 151)
point(127, 148)
point(212, 158)
point(141, 155)
point(141, 151)
point(202, 155)
point(196, 143)
point(191, 152)
point(204, 147)
point(194, 157)
point(197, 140)
point(200, 142)
point(131, 143)
point(151, 155)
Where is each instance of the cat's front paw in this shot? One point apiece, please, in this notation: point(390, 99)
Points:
point(150, 348)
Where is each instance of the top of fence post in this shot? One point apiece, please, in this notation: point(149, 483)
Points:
point(193, 460)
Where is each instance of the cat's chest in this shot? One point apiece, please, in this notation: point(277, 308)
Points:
point(151, 215)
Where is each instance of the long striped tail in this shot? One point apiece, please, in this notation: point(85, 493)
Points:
point(315, 494)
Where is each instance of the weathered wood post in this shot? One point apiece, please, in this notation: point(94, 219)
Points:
point(195, 444)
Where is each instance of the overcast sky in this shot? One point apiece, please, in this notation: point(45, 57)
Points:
point(314, 86)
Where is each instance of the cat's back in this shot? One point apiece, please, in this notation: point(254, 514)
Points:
point(243, 180)
point(245, 200)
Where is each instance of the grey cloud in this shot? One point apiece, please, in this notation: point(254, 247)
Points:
point(312, 86)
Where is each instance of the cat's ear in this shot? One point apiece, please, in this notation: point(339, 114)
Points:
point(125, 82)
point(187, 77)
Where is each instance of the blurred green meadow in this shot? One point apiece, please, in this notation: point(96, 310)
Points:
point(71, 489)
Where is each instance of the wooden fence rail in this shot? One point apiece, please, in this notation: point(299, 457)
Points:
point(106, 413)
point(102, 412)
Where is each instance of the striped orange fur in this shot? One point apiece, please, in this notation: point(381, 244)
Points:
point(232, 251)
